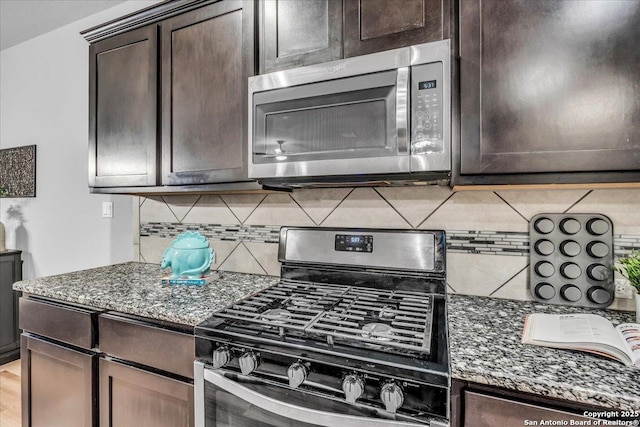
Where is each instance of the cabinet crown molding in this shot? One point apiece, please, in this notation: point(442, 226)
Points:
point(140, 18)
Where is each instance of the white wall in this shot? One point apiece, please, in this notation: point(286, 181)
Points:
point(44, 101)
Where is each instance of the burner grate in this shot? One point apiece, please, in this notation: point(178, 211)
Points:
point(302, 300)
point(382, 319)
point(404, 319)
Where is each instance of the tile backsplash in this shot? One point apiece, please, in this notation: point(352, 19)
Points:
point(487, 231)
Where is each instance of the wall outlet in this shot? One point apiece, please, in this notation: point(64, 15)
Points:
point(624, 289)
point(107, 209)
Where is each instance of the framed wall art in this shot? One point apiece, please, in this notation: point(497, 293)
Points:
point(18, 171)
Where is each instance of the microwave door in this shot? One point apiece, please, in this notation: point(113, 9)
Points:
point(348, 126)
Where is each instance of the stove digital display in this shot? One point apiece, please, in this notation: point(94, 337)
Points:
point(354, 243)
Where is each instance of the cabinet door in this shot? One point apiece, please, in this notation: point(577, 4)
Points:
point(133, 397)
point(10, 272)
point(376, 25)
point(205, 65)
point(123, 109)
point(297, 33)
point(549, 86)
point(488, 411)
point(58, 387)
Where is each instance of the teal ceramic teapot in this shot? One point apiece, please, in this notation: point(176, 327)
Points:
point(189, 256)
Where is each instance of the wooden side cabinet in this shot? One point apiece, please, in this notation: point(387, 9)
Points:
point(548, 87)
point(10, 272)
point(134, 397)
point(122, 110)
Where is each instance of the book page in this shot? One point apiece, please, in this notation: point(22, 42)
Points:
point(630, 333)
point(579, 331)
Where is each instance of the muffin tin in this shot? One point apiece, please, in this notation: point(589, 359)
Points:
point(572, 259)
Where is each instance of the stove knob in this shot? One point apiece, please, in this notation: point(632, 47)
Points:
point(221, 356)
point(353, 387)
point(297, 374)
point(248, 362)
point(392, 396)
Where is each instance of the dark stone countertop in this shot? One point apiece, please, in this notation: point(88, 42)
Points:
point(134, 288)
point(485, 338)
point(485, 333)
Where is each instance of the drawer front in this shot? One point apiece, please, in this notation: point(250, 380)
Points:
point(147, 344)
point(489, 411)
point(66, 323)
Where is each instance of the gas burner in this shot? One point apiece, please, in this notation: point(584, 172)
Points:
point(301, 302)
point(387, 312)
point(378, 329)
point(276, 315)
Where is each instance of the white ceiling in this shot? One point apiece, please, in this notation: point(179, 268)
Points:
point(21, 20)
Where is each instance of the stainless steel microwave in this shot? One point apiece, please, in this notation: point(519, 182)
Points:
point(382, 116)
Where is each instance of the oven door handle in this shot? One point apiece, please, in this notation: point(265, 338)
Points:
point(293, 412)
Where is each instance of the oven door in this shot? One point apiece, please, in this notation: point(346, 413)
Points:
point(348, 126)
point(224, 399)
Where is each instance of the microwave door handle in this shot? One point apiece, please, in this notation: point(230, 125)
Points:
point(294, 412)
point(402, 109)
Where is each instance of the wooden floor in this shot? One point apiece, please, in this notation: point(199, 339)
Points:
point(10, 394)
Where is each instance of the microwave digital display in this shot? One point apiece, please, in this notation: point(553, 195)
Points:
point(429, 84)
point(353, 243)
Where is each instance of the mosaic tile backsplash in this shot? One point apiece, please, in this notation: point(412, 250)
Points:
point(487, 231)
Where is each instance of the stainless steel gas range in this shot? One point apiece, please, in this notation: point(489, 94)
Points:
point(353, 334)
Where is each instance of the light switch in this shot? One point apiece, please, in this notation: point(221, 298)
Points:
point(107, 209)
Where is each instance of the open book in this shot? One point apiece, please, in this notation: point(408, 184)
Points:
point(585, 332)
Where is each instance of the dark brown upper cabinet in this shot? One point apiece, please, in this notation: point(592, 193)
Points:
point(549, 91)
point(168, 101)
point(297, 33)
point(204, 86)
point(376, 25)
point(122, 110)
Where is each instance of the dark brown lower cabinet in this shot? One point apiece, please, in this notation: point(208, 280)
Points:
point(478, 405)
point(58, 387)
point(138, 373)
point(135, 397)
point(489, 411)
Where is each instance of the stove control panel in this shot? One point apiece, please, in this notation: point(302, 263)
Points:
point(356, 384)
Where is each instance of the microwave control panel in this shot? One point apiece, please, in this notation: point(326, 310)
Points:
point(426, 108)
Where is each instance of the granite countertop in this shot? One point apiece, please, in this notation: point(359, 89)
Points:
point(485, 336)
point(134, 288)
point(484, 332)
